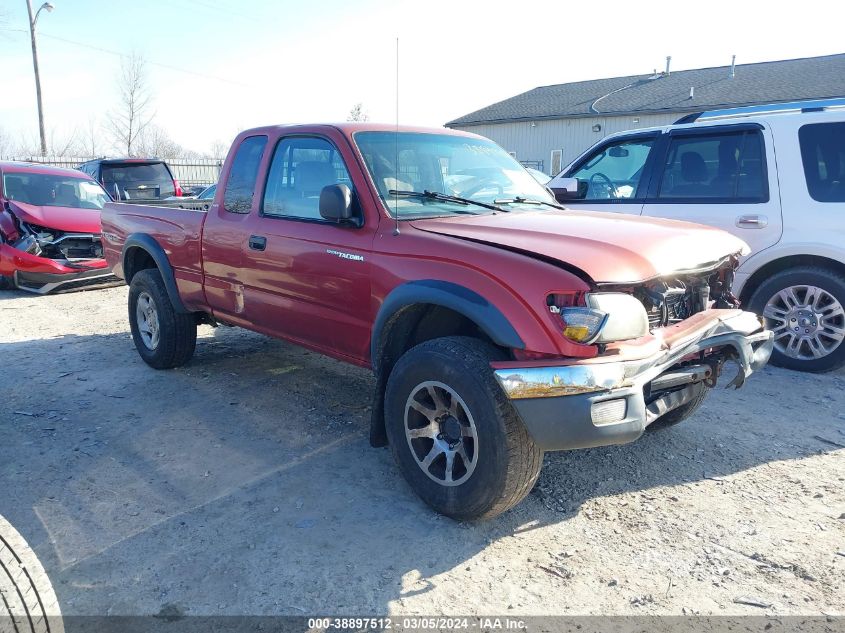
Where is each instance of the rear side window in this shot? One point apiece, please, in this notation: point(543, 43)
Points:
point(727, 167)
point(301, 167)
point(823, 155)
point(241, 184)
point(138, 181)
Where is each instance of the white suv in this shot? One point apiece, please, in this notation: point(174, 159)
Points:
point(772, 175)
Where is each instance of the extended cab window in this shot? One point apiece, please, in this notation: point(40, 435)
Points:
point(823, 155)
point(301, 167)
point(727, 166)
point(241, 184)
point(614, 171)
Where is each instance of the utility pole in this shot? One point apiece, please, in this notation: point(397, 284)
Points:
point(32, 22)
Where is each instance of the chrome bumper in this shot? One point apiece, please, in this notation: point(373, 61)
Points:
point(603, 401)
point(743, 332)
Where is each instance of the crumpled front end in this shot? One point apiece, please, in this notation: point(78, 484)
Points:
point(41, 259)
point(613, 397)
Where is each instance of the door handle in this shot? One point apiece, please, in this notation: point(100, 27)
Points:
point(257, 242)
point(752, 221)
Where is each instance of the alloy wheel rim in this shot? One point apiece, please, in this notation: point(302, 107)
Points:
point(146, 316)
point(807, 321)
point(441, 433)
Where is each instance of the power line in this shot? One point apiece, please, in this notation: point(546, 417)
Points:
point(125, 56)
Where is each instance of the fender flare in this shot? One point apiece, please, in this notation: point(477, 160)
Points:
point(148, 243)
point(450, 295)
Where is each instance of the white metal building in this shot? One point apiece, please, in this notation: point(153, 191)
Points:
point(549, 126)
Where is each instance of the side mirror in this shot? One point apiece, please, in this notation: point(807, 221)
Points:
point(337, 204)
point(567, 189)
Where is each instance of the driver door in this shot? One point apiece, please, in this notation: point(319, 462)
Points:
point(612, 177)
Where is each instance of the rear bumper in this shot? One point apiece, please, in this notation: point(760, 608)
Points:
point(42, 274)
point(611, 400)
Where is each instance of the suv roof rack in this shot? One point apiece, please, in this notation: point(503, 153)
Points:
point(809, 105)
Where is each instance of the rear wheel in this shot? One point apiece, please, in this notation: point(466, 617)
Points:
point(453, 433)
point(6, 282)
point(163, 337)
point(804, 308)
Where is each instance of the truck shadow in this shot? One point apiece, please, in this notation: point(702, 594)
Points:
point(243, 483)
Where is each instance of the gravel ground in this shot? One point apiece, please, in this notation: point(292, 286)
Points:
point(243, 483)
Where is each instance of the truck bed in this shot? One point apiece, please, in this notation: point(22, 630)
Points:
point(177, 231)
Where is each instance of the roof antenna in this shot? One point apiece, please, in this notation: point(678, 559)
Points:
point(733, 66)
point(396, 148)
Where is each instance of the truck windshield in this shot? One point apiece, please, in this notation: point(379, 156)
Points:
point(471, 168)
point(53, 191)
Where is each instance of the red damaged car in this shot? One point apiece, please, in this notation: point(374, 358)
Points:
point(49, 228)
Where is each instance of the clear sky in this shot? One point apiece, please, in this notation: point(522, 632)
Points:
point(217, 66)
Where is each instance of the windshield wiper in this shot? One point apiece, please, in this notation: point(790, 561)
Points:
point(442, 197)
point(519, 200)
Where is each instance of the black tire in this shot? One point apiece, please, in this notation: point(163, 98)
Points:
point(676, 416)
point(177, 332)
point(829, 281)
point(6, 283)
point(508, 461)
point(28, 603)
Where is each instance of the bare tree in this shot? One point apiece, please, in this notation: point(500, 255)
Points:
point(91, 142)
point(357, 113)
point(132, 115)
point(60, 144)
point(218, 149)
point(6, 144)
point(154, 141)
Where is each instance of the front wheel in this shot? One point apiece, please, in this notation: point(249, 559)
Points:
point(453, 433)
point(803, 306)
point(676, 416)
point(163, 337)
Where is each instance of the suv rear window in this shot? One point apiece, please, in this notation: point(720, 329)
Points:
point(137, 181)
point(823, 155)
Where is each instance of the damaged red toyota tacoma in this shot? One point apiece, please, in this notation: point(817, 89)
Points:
point(49, 228)
point(499, 325)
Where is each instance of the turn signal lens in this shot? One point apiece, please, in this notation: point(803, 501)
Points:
point(582, 325)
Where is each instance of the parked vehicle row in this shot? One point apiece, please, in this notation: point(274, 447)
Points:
point(49, 228)
point(772, 175)
point(498, 325)
point(50, 221)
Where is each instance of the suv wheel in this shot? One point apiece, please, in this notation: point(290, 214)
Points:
point(804, 308)
point(454, 434)
point(163, 337)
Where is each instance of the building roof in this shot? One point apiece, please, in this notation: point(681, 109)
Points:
point(765, 82)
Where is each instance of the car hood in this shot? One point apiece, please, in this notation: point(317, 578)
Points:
point(607, 247)
point(66, 219)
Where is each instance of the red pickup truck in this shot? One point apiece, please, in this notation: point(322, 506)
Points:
point(499, 325)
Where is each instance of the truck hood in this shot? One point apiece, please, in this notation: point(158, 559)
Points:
point(607, 247)
point(67, 219)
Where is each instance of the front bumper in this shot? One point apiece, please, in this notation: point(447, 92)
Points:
point(42, 274)
point(559, 403)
